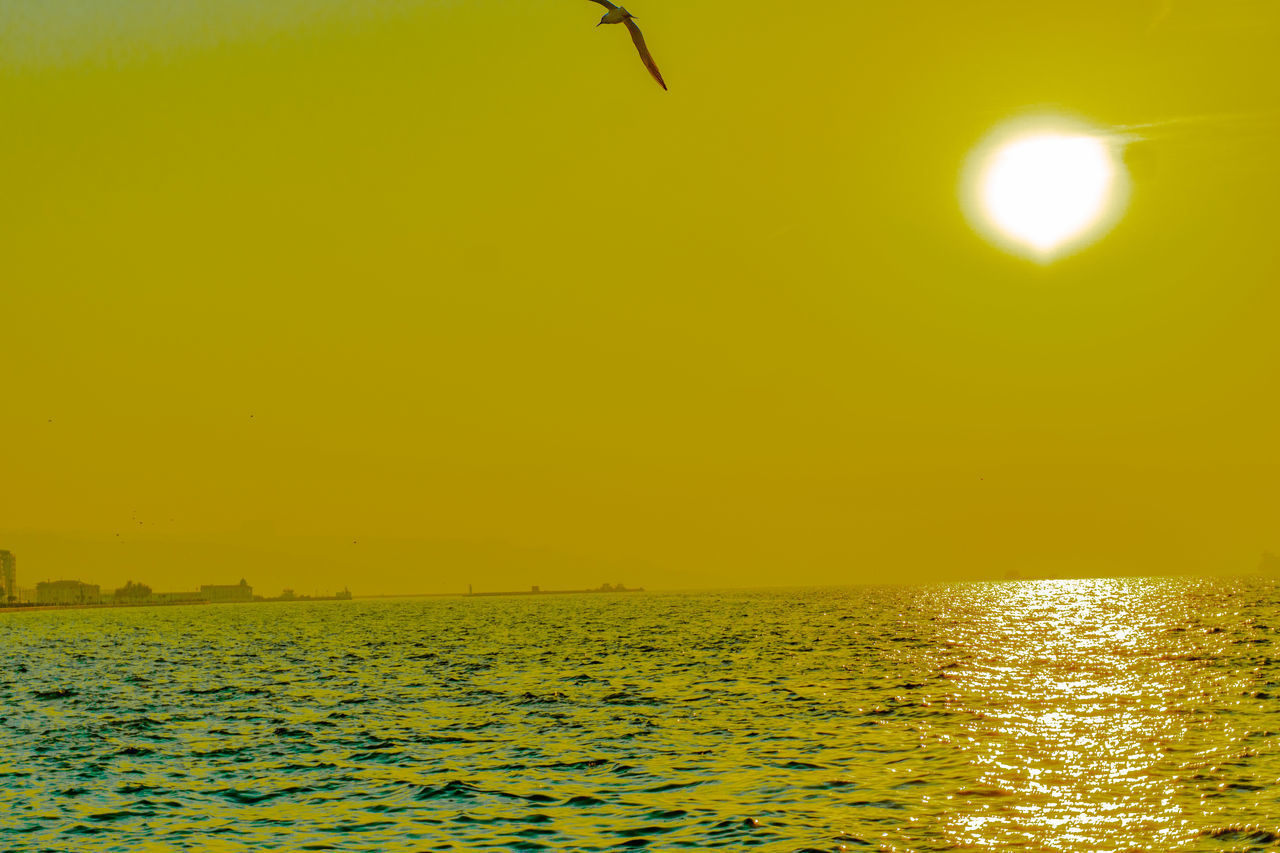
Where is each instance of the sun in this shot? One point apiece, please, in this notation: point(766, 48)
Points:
point(1044, 187)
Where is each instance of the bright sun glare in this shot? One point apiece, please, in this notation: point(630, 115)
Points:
point(1042, 189)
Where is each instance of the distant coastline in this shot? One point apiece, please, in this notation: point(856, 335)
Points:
point(187, 602)
point(149, 599)
point(32, 608)
point(72, 594)
point(603, 588)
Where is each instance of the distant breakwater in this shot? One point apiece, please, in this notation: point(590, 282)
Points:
point(31, 608)
point(537, 591)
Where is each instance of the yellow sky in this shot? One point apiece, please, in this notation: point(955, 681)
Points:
point(415, 294)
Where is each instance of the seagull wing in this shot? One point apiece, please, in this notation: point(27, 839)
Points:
point(605, 3)
point(645, 56)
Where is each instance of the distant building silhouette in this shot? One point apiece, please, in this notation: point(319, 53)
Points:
point(133, 593)
point(219, 592)
point(68, 592)
point(8, 578)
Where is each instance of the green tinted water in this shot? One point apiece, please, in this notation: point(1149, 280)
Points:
point(1059, 715)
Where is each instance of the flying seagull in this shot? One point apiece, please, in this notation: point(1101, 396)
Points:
point(618, 15)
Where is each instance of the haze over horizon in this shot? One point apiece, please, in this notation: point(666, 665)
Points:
point(442, 293)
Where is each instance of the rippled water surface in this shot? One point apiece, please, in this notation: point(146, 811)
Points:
point(1052, 715)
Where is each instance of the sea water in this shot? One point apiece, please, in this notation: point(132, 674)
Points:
point(1049, 715)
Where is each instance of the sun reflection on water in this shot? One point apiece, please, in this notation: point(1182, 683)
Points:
point(1068, 721)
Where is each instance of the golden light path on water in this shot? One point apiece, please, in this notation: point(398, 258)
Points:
point(1041, 187)
point(1080, 730)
